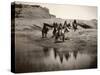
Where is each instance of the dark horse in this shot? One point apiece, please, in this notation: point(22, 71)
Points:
point(74, 25)
point(55, 25)
point(44, 31)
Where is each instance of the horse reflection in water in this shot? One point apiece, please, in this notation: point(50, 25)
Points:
point(62, 59)
point(53, 59)
point(69, 59)
point(61, 55)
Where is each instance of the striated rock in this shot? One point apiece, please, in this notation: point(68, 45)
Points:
point(32, 12)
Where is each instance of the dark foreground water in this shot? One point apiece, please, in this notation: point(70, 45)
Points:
point(52, 59)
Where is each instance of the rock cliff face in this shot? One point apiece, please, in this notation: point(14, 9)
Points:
point(32, 12)
point(35, 14)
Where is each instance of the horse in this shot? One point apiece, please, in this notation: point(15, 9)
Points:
point(74, 23)
point(61, 30)
point(55, 25)
point(45, 30)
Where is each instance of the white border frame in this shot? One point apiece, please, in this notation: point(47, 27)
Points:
point(5, 44)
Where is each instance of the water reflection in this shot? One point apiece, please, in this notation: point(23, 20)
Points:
point(55, 52)
point(61, 55)
point(67, 56)
point(46, 51)
point(50, 59)
point(70, 59)
point(75, 54)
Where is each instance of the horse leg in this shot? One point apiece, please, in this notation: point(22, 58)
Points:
point(54, 32)
point(45, 35)
point(42, 34)
point(63, 38)
point(56, 38)
point(53, 35)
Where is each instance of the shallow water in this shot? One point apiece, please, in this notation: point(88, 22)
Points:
point(52, 59)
